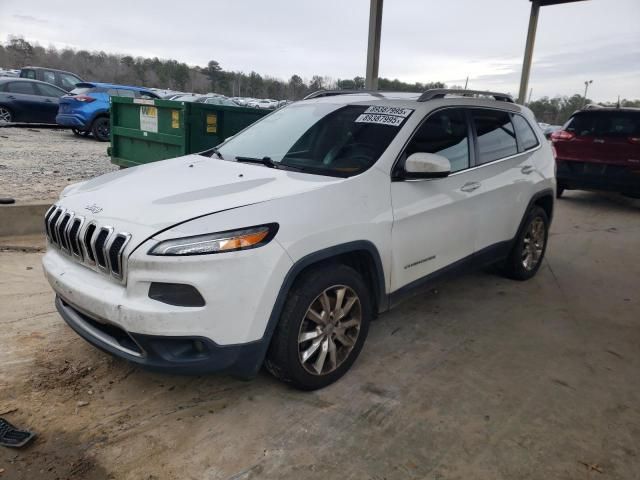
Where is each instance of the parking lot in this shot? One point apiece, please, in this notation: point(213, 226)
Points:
point(37, 162)
point(482, 378)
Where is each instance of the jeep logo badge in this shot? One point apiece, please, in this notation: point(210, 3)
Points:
point(93, 208)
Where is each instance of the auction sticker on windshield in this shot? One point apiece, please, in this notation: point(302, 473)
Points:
point(382, 110)
point(392, 120)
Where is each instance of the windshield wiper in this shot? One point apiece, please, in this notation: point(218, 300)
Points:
point(266, 161)
point(212, 151)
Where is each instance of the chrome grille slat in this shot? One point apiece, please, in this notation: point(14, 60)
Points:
point(99, 247)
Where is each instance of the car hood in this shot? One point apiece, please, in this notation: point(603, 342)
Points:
point(149, 198)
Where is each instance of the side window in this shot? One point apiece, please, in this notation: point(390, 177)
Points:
point(21, 87)
point(526, 138)
point(496, 136)
point(126, 93)
point(48, 76)
point(50, 91)
point(619, 125)
point(583, 125)
point(444, 133)
point(112, 92)
point(28, 74)
point(69, 81)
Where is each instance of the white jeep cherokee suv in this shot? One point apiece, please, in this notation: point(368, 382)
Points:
point(280, 246)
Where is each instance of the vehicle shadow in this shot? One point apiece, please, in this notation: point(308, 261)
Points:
point(601, 200)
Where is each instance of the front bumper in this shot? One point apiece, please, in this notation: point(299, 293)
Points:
point(71, 120)
point(181, 355)
point(597, 176)
point(228, 333)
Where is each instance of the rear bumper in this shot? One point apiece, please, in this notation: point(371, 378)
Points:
point(71, 120)
point(179, 355)
point(597, 176)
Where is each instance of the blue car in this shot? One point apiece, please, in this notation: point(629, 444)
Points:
point(86, 108)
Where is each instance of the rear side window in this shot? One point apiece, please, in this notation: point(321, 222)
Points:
point(444, 133)
point(69, 81)
point(85, 90)
point(526, 137)
point(48, 76)
point(582, 125)
point(50, 91)
point(619, 124)
point(28, 74)
point(126, 93)
point(21, 87)
point(496, 136)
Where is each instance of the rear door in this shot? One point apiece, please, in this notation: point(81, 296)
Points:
point(617, 138)
point(49, 98)
point(580, 148)
point(505, 174)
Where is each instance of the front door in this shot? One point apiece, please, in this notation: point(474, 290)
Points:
point(433, 224)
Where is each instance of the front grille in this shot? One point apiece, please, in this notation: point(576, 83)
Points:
point(96, 246)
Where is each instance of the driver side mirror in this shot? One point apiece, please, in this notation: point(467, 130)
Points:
point(426, 165)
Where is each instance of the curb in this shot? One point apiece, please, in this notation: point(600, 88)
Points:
point(23, 218)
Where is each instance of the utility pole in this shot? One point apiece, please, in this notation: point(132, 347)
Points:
point(531, 40)
point(528, 50)
point(586, 87)
point(530, 93)
point(373, 48)
point(466, 82)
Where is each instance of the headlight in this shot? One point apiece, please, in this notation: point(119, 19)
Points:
point(228, 241)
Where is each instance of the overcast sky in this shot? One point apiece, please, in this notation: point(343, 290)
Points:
point(422, 40)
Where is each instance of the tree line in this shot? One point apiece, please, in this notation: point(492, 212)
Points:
point(100, 66)
point(17, 52)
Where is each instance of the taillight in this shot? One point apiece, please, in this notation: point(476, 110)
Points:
point(634, 140)
point(562, 135)
point(84, 98)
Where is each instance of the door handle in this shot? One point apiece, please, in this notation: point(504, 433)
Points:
point(11, 97)
point(470, 186)
point(598, 140)
point(527, 169)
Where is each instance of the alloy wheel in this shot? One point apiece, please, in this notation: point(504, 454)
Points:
point(5, 115)
point(329, 330)
point(533, 244)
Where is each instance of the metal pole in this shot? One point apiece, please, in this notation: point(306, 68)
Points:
point(528, 51)
point(373, 48)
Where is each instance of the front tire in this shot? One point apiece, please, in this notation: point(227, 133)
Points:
point(322, 328)
point(101, 129)
point(559, 190)
point(528, 251)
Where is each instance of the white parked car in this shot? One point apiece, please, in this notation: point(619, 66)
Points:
point(281, 246)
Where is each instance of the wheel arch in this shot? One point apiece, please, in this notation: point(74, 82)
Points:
point(362, 255)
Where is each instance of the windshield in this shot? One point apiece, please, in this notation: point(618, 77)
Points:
point(320, 138)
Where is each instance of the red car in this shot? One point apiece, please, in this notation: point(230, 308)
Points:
point(599, 149)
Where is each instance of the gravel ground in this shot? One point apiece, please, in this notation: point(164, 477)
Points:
point(37, 163)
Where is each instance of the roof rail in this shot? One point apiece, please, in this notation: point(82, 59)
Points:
point(331, 93)
point(442, 92)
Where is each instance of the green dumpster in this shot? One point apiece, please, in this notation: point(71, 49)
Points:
point(144, 131)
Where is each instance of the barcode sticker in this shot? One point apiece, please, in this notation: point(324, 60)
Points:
point(382, 110)
point(391, 120)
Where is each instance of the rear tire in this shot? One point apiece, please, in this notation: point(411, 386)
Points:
point(559, 190)
point(322, 328)
point(101, 129)
point(531, 244)
point(6, 116)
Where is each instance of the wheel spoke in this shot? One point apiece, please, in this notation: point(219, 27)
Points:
point(319, 363)
point(312, 349)
point(332, 354)
point(305, 337)
point(319, 318)
point(337, 309)
point(343, 338)
point(348, 306)
point(326, 302)
point(353, 322)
